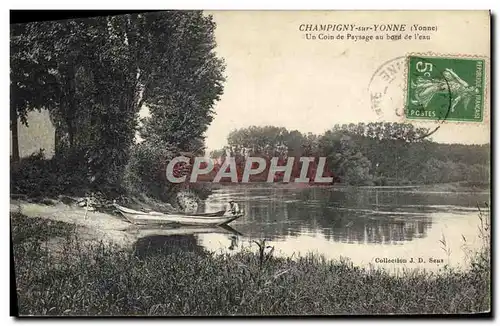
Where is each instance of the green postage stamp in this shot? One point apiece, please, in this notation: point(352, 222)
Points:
point(445, 88)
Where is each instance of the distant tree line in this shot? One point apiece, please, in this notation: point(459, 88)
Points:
point(379, 153)
point(94, 75)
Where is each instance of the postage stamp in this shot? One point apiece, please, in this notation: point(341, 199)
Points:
point(445, 88)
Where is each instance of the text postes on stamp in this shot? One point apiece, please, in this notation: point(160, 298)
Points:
point(445, 88)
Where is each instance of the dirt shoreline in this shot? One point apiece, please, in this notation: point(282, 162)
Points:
point(103, 227)
point(91, 226)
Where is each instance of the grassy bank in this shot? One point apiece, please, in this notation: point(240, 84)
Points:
point(94, 279)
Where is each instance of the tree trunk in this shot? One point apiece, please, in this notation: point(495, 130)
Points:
point(71, 108)
point(15, 136)
point(61, 140)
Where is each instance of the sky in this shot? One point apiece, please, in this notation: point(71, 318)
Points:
point(277, 77)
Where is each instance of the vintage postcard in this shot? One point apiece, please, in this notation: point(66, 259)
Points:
point(234, 163)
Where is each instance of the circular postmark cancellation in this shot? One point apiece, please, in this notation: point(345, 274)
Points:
point(429, 88)
point(386, 89)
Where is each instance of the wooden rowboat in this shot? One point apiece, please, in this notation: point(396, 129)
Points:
point(138, 217)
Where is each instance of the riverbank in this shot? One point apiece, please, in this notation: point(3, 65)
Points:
point(98, 278)
point(89, 225)
point(438, 187)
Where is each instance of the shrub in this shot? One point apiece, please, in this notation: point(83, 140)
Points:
point(380, 181)
point(146, 170)
point(145, 173)
point(36, 176)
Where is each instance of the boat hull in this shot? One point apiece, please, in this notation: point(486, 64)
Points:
point(141, 218)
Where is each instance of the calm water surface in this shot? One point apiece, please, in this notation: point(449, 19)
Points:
point(365, 225)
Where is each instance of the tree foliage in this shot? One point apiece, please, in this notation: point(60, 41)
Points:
point(271, 141)
point(94, 75)
point(374, 153)
point(184, 81)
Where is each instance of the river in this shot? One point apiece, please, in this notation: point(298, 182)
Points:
point(381, 227)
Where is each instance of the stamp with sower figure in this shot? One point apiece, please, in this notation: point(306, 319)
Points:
point(445, 88)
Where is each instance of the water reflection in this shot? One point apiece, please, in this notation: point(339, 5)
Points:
point(360, 224)
point(171, 239)
point(344, 216)
point(161, 244)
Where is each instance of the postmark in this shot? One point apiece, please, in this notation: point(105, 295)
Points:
point(386, 89)
point(445, 88)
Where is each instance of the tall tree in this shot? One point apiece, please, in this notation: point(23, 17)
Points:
point(183, 80)
point(31, 80)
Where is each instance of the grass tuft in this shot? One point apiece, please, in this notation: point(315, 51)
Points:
point(91, 278)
